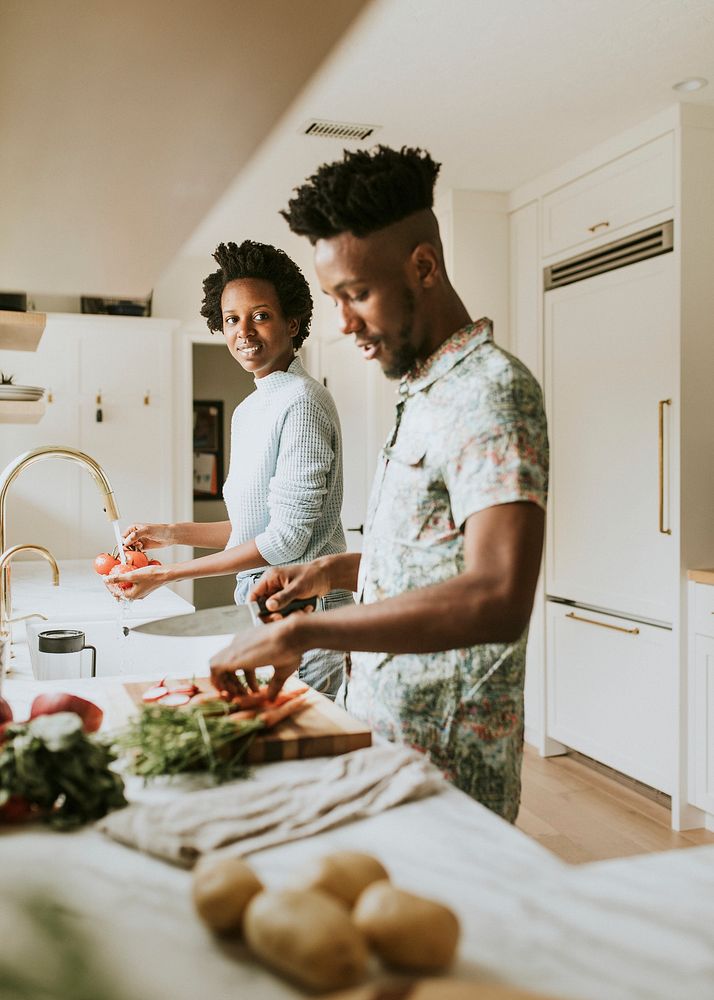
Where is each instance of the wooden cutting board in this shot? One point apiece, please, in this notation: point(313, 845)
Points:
point(320, 730)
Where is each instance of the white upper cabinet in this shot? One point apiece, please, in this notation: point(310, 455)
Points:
point(621, 193)
point(127, 363)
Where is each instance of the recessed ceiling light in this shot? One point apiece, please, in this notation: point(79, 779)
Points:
point(691, 83)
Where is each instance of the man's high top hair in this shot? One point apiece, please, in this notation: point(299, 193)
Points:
point(365, 191)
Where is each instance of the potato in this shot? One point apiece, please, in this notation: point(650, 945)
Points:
point(308, 936)
point(344, 874)
point(222, 888)
point(406, 931)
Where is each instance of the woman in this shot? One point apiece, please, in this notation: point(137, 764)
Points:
point(284, 487)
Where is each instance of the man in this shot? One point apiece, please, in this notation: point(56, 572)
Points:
point(454, 529)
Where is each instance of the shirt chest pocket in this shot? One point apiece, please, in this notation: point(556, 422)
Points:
point(414, 495)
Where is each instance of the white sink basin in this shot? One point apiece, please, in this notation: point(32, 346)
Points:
point(151, 656)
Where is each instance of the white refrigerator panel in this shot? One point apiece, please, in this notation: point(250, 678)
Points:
point(609, 364)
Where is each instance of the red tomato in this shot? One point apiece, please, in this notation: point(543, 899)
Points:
point(17, 810)
point(104, 563)
point(154, 562)
point(135, 559)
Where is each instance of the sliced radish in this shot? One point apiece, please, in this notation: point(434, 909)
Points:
point(189, 689)
point(173, 699)
point(155, 693)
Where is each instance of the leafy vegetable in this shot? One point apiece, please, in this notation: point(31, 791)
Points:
point(160, 740)
point(52, 764)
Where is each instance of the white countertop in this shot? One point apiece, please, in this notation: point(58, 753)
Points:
point(81, 593)
point(82, 601)
point(634, 929)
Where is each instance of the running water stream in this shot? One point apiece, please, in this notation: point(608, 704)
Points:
point(120, 542)
point(123, 603)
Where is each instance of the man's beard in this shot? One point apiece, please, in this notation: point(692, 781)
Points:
point(405, 354)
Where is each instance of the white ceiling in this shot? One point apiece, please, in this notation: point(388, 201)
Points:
point(123, 121)
point(498, 90)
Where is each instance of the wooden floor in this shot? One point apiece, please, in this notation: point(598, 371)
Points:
point(583, 815)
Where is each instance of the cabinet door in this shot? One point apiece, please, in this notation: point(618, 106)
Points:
point(128, 362)
point(623, 192)
point(611, 692)
point(702, 739)
point(364, 400)
point(609, 353)
point(43, 501)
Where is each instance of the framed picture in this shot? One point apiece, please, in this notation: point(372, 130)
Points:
point(207, 448)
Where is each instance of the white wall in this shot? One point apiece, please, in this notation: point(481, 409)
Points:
point(474, 231)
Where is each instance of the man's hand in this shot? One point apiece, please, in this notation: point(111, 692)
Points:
point(278, 644)
point(283, 584)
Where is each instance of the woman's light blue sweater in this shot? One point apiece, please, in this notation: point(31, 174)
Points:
point(284, 484)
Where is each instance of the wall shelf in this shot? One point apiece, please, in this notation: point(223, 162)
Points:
point(21, 331)
point(21, 411)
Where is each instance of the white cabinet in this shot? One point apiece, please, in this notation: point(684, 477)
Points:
point(126, 361)
point(611, 687)
point(623, 192)
point(701, 697)
point(628, 363)
point(609, 364)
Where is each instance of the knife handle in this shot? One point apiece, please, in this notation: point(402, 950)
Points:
point(304, 602)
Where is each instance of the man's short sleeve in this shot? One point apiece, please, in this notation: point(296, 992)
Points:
point(499, 451)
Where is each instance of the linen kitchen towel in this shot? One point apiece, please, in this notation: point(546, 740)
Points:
point(241, 818)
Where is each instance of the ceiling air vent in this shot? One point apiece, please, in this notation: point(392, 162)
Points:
point(338, 130)
point(639, 246)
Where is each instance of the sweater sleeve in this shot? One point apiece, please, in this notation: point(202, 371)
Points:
point(298, 487)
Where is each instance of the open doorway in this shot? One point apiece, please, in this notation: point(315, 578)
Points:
point(218, 387)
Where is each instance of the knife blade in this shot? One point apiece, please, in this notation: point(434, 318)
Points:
point(227, 620)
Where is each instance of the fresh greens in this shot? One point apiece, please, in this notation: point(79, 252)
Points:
point(53, 765)
point(163, 741)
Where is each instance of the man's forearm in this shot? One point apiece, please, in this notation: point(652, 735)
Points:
point(452, 615)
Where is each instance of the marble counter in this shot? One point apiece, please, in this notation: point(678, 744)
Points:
point(82, 601)
point(634, 929)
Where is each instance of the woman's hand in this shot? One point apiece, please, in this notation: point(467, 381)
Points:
point(141, 582)
point(283, 584)
point(278, 644)
point(148, 536)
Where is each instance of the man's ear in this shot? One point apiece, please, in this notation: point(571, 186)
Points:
point(426, 264)
point(294, 326)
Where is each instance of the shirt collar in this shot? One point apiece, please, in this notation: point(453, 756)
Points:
point(269, 383)
point(446, 356)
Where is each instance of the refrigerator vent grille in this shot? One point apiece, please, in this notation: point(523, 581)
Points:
point(337, 130)
point(647, 243)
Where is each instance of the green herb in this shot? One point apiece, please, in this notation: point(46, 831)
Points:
point(165, 741)
point(52, 764)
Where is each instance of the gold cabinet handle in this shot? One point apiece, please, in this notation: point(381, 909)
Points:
point(599, 225)
point(591, 621)
point(660, 454)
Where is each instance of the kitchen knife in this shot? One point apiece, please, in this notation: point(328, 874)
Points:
point(226, 620)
